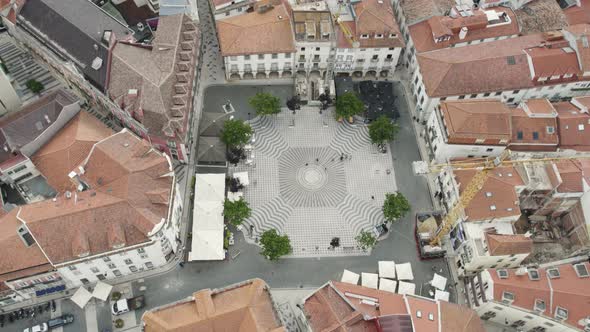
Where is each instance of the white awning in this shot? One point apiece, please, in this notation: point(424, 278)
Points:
point(350, 277)
point(387, 285)
point(102, 291)
point(232, 197)
point(441, 295)
point(439, 282)
point(243, 177)
point(404, 271)
point(387, 269)
point(81, 297)
point(406, 288)
point(207, 237)
point(370, 280)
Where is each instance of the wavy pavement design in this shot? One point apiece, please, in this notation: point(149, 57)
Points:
point(350, 138)
point(359, 214)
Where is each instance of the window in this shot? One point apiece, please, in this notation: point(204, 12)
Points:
point(487, 94)
point(550, 129)
point(488, 194)
point(378, 35)
point(84, 281)
point(580, 127)
point(106, 259)
point(540, 305)
point(561, 313)
point(117, 273)
point(128, 261)
point(502, 274)
point(510, 100)
point(497, 93)
point(515, 92)
point(287, 55)
point(581, 270)
point(443, 98)
point(132, 268)
point(141, 250)
point(94, 270)
point(275, 56)
point(72, 268)
point(364, 36)
point(100, 277)
point(507, 297)
point(533, 274)
point(392, 35)
point(246, 57)
point(111, 266)
point(260, 56)
point(489, 149)
point(473, 96)
point(149, 265)
point(461, 97)
point(493, 207)
point(519, 135)
point(480, 140)
point(233, 58)
point(535, 135)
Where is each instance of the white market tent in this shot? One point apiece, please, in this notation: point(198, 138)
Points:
point(387, 285)
point(207, 239)
point(243, 177)
point(439, 282)
point(370, 280)
point(81, 297)
point(350, 277)
point(387, 269)
point(406, 288)
point(404, 271)
point(441, 295)
point(102, 291)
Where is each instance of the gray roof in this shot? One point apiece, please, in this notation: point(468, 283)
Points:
point(19, 129)
point(76, 26)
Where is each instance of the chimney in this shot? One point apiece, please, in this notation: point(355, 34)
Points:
point(463, 33)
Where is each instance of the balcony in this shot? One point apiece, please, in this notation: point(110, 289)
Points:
point(316, 58)
point(374, 60)
point(388, 59)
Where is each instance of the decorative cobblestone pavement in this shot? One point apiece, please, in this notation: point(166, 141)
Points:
point(314, 179)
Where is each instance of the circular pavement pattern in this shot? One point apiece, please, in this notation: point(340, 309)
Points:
point(311, 177)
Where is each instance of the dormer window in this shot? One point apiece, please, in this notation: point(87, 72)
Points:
point(364, 36)
point(561, 313)
point(378, 35)
point(540, 305)
point(507, 297)
point(392, 35)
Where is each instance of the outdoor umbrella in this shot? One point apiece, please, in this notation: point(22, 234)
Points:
point(211, 150)
point(212, 123)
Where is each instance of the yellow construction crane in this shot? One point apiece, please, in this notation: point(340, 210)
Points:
point(345, 29)
point(483, 168)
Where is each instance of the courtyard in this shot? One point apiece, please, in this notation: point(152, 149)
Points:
point(315, 179)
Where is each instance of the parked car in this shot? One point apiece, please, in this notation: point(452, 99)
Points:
point(125, 305)
point(60, 321)
point(38, 328)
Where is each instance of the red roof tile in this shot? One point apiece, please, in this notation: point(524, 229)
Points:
point(476, 119)
point(549, 62)
point(578, 15)
point(500, 244)
point(573, 127)
point(528, 130)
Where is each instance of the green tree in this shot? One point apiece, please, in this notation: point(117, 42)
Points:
point(34, 85)
point(348, 105)
point(395, 206)
point(265, 103)
point(274, 245)
point(366, 240)
point(236, 132)
point(382, 130)
point(236, 212)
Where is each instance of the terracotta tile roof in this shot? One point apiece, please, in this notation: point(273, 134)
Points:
point(119, 171)
point(458, 318)
point(529, 130)
point(374, 16)
point(331, 309)
point(568, 175)
point(419, 10)
point(548, 62)
point(568, 291)
point(160, 74)
point(18, 257)
point(68, 149)
point(486, 67)
point(578, 15)
point(501, 244)
point(541, 16)
point(256, 33)
point(580, 34)
point(422, 33)
point(476, 119)
point(497, 198)
point(540, 108)
point(573, 127)
point(245, 306)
